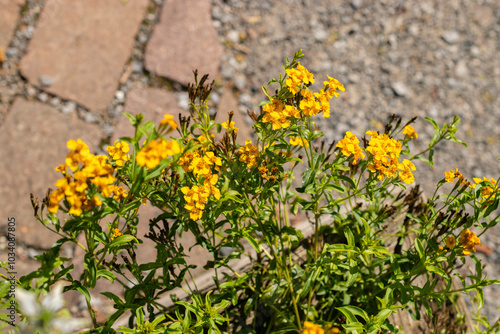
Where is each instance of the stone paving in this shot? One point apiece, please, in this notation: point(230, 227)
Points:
point(79, 55)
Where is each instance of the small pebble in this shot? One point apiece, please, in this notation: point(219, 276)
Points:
point(120, 95)
point(400, 89)
point(43, 97)
point(55, 102)
point(137, 67)
point(45, 80)
point(356, 3)
point(69, 107)
point(451, 37)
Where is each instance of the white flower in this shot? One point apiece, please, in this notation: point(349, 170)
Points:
point(45, 316)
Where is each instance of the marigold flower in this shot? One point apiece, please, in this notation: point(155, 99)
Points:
point(78, 154)
point(168, 120)
point(309, 105)
point(249, 154)
point(311, 328)
point(410, 131)
point(469, 240)
point(157, 150)
point(119, 152)
point(62, 168)
point(299, 141)
point(385, 152)
point(230, 127)
point(297, 76)
point(276, 114)
point(405, 173)
point(116, 233)
point(487, 192)
point(350, 146)
point(450, 241)
point(333, 85)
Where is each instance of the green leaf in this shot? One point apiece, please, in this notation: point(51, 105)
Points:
point(351, 311)
point(346, 179)
point(122, 239)
point(349, 236)
point(420, 249)
point(381, 316)
point(106, 274)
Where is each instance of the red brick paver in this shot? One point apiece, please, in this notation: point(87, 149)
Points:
point(184, 40)
point(33, 141)
point(9, 13)
point(82, 46)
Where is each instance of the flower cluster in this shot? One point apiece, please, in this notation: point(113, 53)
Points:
point(350, 146)
point(230, 127)
point(450, 241)
point(385, 151)
point(249, 153)
point(119, 152)
point(116, 233)
point(451, 175)
point(299, 141)
point(410, 132)
point(155, 151)
point(168, 122)
point(311, 328)
point(487, 192)
point(297, 76)
point(277, 114)
point(75, 189)
point(197, 195)
point(469, 240)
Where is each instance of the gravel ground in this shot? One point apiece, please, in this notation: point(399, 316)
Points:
point(410, 58)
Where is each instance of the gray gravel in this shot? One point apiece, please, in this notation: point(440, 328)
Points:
point(410, 58)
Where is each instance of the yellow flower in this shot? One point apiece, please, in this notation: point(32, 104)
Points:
point(299, 141)
point(311, 328)
point(157, 150)
point(62, 168)
point(450, 241)
point(385, 152)
point(78, 154)
point(168, 120)
point(116, 233)
point(449, 176)
point(249, 154)
point(487, 192)
point(333, 85)
point(309, 105)
point(405, 173)
point(410, 131)
point(297, 76)
point(350, 146)
point(230, 127)
point(276, 114)
point(119, 152)
point(469, 240)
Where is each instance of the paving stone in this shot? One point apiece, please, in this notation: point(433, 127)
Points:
point(83, 46)
point(153, 103)
point(229, 103)
point(184, 40)
point(32, 142)
point(9, 14)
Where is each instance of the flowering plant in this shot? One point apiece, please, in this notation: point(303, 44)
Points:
point(371, 246)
